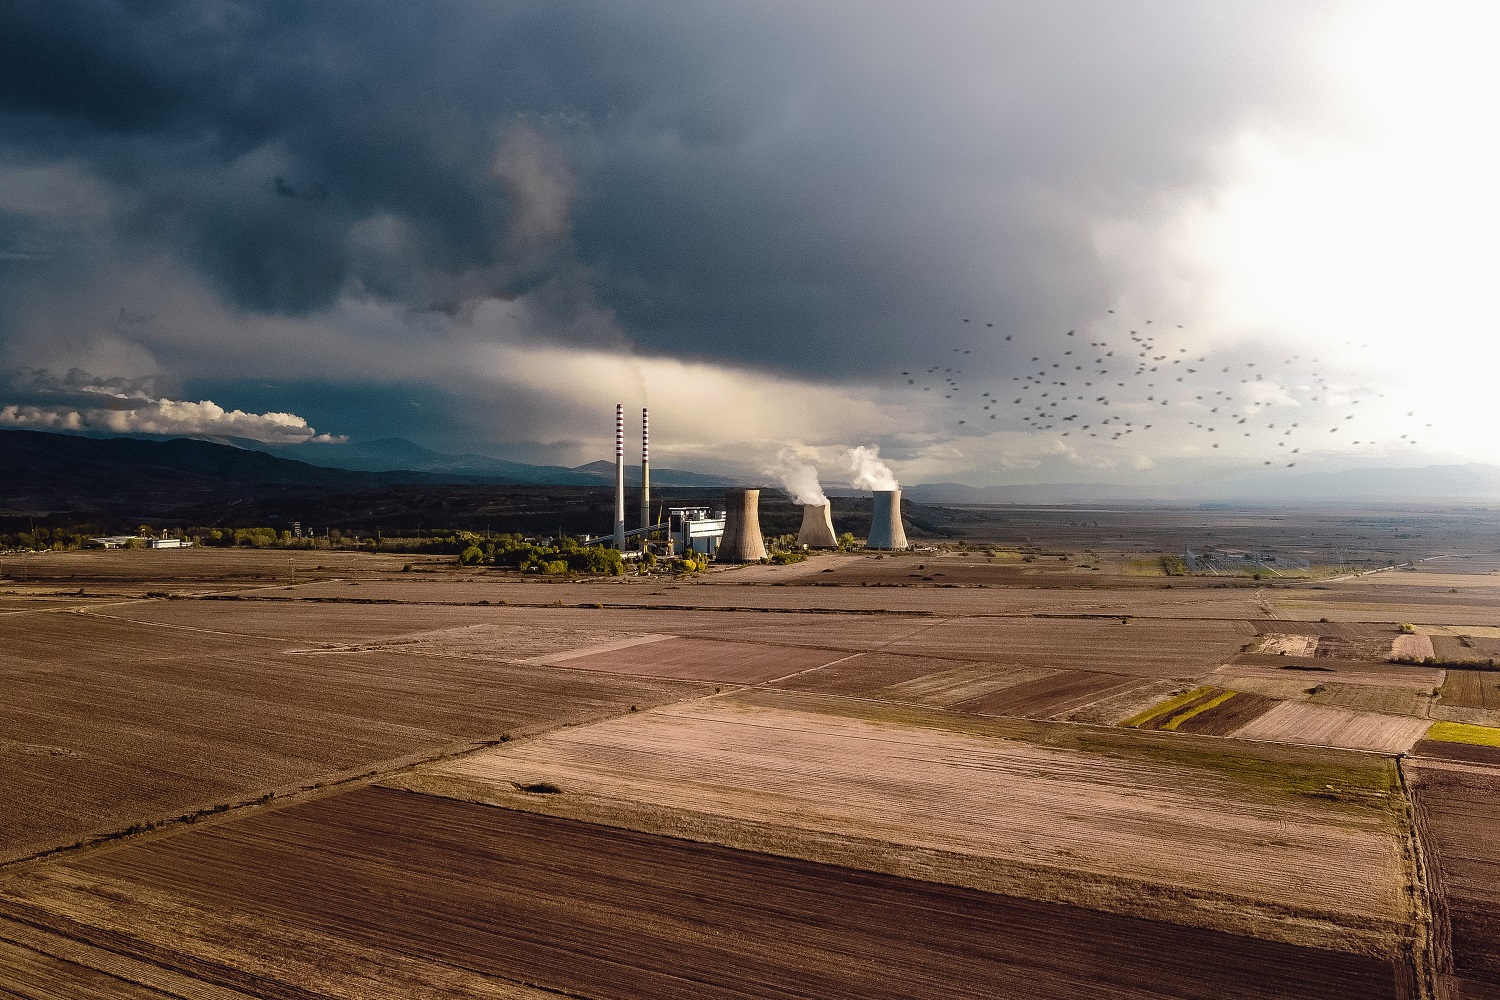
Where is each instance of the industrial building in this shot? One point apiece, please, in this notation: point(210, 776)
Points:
point(695, 529)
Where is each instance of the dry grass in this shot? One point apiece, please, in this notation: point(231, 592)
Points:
point(1318, 725)
point(823, 777)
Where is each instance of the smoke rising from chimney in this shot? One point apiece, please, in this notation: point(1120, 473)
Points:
point(798, 478)
point(868, 471)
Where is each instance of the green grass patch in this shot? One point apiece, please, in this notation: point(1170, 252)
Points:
point(1462, 732)
point(1166, 707)
point(1198, 709)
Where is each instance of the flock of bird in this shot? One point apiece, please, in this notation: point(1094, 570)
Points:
point(1139, 381)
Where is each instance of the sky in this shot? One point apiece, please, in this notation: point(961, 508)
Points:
point(479, 225)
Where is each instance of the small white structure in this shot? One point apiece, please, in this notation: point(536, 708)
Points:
point(111, 541)
point(168, 543)
point(695, 529)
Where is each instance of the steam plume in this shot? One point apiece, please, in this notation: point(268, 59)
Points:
point(799, 478)
point(868, 471)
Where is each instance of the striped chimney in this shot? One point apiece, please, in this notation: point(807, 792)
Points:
point(620, 476)
point(645, 470)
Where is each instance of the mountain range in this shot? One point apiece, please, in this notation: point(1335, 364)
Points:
point(399, 454)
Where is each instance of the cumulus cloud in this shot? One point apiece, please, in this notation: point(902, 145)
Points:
point(80, 401)
point(169, 417)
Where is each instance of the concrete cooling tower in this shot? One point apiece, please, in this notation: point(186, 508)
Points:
point(817, 527)
point(742, 539)
point(886, 531)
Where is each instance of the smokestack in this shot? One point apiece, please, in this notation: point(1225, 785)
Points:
point(620, 476)
point(886, 531)
point(645, 470)
point(742, 539)
point(817, 527)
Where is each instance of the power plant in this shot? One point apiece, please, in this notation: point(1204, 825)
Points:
point(817, 527)
point(742, 541)
point(886, 531)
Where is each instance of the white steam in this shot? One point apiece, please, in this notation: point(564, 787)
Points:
point(799, 478)
point(868, 471)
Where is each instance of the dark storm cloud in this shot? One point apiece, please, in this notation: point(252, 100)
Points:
point(818, 191)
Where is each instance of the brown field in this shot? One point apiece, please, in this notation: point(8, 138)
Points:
point(903, 678)
point(719, 592)
point(225, 772)
point(1283, 644)
point(107, 724)
point(1319, 725)
point(779, 771)
point(1141, 649)
point(1464, 647)
point(1459, 806)
point(1471, 689)
point(708, 660)
point(1057, 694)
point(1470, 753)
point(959, 684)
point(1229, 717)
point(405, 895)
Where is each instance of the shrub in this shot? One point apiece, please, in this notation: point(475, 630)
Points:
point(554, 567)
point(1408, 628)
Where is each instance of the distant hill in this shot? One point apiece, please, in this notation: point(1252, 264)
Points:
point(659, 477)
point(1472, 482)
point(128, 480)
point(399, 454)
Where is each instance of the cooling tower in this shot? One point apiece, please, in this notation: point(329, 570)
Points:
point(742, 541)
point(885, 526)
point(817, 527)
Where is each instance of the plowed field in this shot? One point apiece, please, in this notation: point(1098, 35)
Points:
point(708, 768)
point(404, 895)
point(708, 660)
point(1460, 810)
point(106, 724)
point(1055, 694)
point(1471, 689)
point(1318, 725)
point(1141, 648)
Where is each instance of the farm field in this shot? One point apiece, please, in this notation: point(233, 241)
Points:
point(108, 724)
point(804, 775)
point(402, 894)
point(1459, 808)
point(242, 773)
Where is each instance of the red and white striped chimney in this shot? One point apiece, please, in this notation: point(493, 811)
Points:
point(645, 469)
point(620, 476)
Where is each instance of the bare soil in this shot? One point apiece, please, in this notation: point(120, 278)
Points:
point(107, 724)
point(1194, 834)
point(1318, 725)
point(406, 895)
point(1460, 809)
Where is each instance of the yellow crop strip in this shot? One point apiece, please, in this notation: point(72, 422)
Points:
point(1462, 732)
point(1167, 707)
point(1198, 710)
